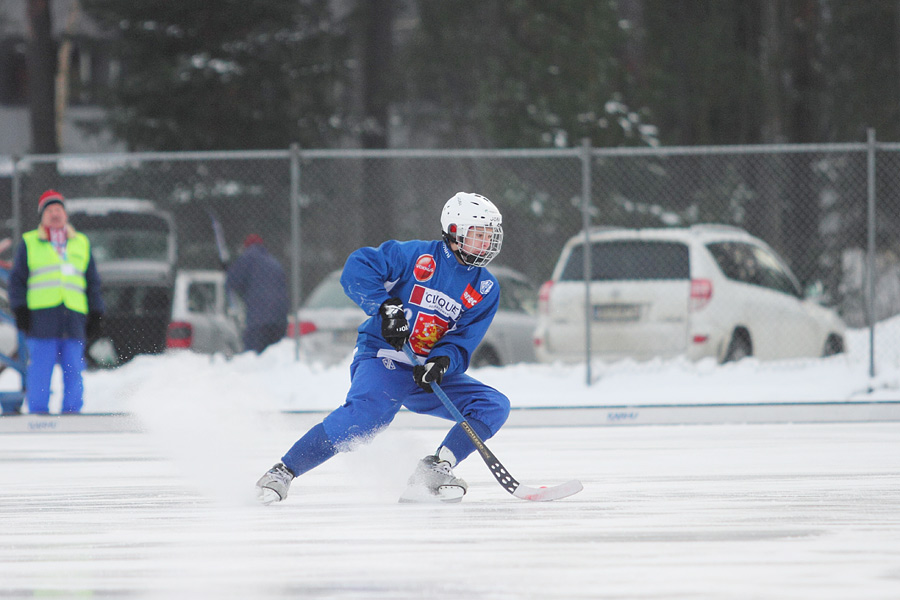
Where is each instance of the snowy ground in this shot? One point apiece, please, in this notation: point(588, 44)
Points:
point(699, 512)
point(276, 381)
point(715, 511)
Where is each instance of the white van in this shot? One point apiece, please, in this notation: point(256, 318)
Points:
point(134, 244)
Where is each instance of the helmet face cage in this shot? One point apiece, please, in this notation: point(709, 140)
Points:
point(477, 245)
point(472, 222)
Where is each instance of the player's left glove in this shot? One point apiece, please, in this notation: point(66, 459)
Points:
point(394, 326)
point(431, 372)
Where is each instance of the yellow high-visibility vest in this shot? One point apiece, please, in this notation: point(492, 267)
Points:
point(53, 281)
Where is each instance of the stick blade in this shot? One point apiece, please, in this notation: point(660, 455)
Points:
point(546, 494)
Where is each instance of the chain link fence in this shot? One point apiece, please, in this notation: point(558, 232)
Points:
point(815, 205)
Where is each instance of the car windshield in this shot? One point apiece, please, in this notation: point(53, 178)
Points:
point(128, 245)
point(517, 296)
point(123, 236)
point(630, 260)
point(329, 294)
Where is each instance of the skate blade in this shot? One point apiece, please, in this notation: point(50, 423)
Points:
point(267, 496)
point(446, 494)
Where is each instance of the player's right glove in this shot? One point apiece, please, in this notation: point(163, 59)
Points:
point(394, 326)
point(431, 372)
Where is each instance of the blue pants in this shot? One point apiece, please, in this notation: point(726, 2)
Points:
point(260, 337)
point(44, 354)
point(379, 388)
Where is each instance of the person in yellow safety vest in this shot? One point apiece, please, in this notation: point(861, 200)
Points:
point(54, 292)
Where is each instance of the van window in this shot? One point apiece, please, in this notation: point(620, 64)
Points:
point(136, 300)
point(202, 297)
point(630, 260)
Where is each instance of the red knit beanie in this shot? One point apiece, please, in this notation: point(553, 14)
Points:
point(253, 239)
point(50, 197)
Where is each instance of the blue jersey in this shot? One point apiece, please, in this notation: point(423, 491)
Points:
point(449, 306)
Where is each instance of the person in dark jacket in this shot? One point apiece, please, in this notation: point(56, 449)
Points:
point(259, 280)
point(54, 292)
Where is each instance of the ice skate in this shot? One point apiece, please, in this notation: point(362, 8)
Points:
point(274, 484)
point(434, 481)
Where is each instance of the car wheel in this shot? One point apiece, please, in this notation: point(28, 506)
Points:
point(833, 345)
point(739, 347)
point(485, 356)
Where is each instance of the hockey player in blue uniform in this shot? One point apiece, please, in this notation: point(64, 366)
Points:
point(436, 296)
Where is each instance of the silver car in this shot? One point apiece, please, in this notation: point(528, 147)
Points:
point(329, 321)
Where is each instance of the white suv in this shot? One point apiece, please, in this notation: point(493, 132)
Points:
point(702, 291)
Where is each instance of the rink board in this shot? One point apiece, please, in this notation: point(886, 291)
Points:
point(79, 423)
point(588, 416)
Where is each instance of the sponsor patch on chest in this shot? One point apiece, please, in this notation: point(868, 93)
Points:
point(424, 268)
point(435, 301)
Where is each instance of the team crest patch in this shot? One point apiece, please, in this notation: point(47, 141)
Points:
point(470, 297)
point(424, 268)
point(485, 287)
point(426, 332)
point(388, 364)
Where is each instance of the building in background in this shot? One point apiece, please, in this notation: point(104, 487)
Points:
point(87, 71)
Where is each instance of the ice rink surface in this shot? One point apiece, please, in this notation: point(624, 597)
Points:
point(668, 512)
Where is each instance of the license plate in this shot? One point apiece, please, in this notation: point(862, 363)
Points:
point(617, 312)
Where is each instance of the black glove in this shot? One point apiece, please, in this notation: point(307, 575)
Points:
point(394, 327)
point(431, 372)
point(23, 318)
point(94, 326)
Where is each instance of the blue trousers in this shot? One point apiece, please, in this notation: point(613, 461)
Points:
point(44, 354)
point(260, 337)
point(379, 388)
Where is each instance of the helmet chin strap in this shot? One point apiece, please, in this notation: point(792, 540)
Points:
point(455, 248)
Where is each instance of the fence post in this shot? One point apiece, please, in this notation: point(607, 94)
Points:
point(586, 224)
point(16, 202)
point(295, 244)
point(870, 255)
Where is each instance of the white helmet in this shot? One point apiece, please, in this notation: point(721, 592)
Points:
point(472, 222)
